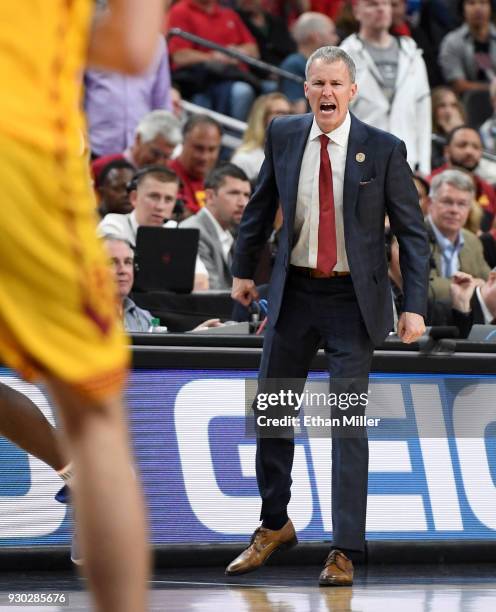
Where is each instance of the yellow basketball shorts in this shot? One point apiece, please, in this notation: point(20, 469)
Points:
point(58, 315)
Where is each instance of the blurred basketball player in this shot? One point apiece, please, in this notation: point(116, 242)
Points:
point(57, 306)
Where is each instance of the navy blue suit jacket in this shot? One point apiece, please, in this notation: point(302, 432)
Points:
point(380, 184)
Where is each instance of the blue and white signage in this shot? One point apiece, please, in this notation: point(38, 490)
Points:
point(432, 462)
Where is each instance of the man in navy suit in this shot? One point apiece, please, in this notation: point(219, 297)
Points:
point(335, 178)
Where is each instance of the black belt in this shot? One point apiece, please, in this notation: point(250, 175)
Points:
point(313, 273)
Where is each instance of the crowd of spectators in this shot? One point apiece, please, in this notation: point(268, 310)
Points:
point(426, 72)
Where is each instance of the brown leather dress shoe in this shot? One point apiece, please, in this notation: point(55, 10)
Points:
point(263, 543)
point(338, 570)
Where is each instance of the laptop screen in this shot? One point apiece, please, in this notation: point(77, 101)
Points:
point(166, 259)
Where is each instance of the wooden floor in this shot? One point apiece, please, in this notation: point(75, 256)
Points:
point(420, 588)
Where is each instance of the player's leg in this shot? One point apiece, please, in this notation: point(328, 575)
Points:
point(58, 316)
point(23, 423)
point(107, 499)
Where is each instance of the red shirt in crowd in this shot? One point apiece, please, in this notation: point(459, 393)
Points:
point(331, 8)
point(192, 190)
point(290, 13)
point(98, 164)
point(221, 25)
point(401, 29)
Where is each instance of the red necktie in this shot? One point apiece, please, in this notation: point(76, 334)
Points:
point(326, 255)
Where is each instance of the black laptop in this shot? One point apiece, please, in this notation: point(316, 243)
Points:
point(166, 259)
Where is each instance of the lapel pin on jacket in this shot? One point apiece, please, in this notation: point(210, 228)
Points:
point(360, 157)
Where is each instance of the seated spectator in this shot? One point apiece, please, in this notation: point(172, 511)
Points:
point(311, 31)
point(135, 319)
point(488, 128)
point(447, 114)
point(468, 54)
point(227, 191)
point(111, 188)
point(274, 41)
point(463, 151)
point(393, 89)
point(453, 249)
point(216, 80)
point(250, 155)
point(473, 303)
point(156, 136)
point(201, 146)
point(115, 103)
point(153, 196)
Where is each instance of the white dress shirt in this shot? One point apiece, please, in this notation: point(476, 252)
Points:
point(126, 226)
point(306, 225)
point(226, 239)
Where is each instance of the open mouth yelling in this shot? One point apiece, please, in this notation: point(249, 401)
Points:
point(327, 108)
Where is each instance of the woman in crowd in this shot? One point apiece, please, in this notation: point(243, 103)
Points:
point(447, 113)
point(250, 155)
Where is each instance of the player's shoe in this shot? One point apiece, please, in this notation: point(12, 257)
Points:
point(63, 496)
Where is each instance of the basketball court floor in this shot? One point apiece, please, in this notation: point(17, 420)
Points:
point(469, 587)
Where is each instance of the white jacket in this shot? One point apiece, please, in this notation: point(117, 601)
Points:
point(409, 115)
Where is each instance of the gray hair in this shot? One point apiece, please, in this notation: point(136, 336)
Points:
point(160, 123)
point(456, 178)
point(329, 55)
point(310, 23)
point(117, 238)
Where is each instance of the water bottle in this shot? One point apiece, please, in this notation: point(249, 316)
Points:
point(155, 326)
